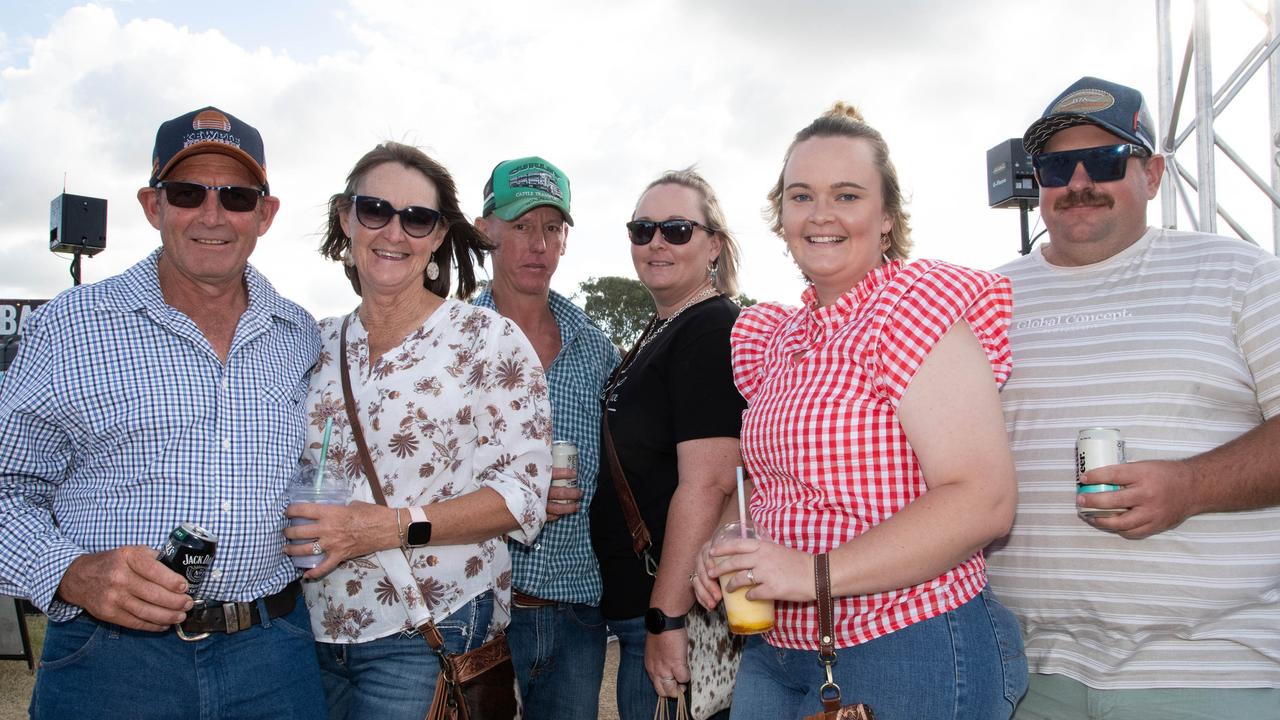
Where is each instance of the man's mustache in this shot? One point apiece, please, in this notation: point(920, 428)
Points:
point(1086, 198)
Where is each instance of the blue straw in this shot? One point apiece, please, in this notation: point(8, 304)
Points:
point(324, 452)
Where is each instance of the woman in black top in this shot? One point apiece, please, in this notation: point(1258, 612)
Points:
point(674, 415)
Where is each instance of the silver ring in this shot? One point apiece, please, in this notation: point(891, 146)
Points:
point(316, 549)
point(751, 578)
point(668, 679)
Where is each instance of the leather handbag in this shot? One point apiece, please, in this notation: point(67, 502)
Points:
point(714, 652)
point(475, 685)
point(830, 691)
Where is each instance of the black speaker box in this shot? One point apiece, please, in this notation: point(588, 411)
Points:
point(78, 223)
point(1010, 177)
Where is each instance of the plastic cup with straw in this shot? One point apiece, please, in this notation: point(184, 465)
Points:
point(309, 487)
point(746, 617)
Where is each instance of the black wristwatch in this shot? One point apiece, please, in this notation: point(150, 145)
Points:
point(658, 622)
point(419, 531)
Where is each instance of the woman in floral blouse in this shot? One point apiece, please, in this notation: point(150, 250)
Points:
point(454, 410)
point(874, 437)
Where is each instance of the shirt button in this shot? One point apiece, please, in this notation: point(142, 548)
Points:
point(226, 506)
point(537, 546)
point(226, 444)
point(215, 573)
point(225, 383)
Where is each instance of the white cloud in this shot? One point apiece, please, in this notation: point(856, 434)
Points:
point(614, 93)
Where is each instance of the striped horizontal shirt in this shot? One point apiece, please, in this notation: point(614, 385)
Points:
point(821, 437)
point(119, 420)
point(1175, 341)
point(560, 564)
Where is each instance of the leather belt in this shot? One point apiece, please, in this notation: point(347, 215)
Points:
point(522, 600)
point(230, 617)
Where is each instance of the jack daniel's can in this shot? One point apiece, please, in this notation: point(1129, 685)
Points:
point(1095, 448)
point(189, 552)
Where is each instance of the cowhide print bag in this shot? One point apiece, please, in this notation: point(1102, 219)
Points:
point(714, 654)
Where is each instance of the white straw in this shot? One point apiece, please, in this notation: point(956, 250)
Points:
point(742, 506)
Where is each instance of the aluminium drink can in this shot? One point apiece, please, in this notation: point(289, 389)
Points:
point(1095, 448)
point(189, 551)
point(564, 454)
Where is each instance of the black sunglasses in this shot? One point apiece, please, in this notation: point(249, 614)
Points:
point(676, 232)
point(191, 195)
point(374, 213)
point(1104, 164)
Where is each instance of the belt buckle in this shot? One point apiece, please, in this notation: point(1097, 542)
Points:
point(189, 638)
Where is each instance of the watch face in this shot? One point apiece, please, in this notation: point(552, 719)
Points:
point(419, 534)
point(655, 621)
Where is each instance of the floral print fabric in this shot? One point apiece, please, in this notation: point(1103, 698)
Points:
point(460, 405)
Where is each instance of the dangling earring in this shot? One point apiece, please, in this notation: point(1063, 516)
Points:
point(433, 270)
point(884, 247)
point(347, 259)
point(712, 271)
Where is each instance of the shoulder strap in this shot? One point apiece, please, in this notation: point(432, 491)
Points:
point(428, 629)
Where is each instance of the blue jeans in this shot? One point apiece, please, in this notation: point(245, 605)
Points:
point(558, 651)
point(94, 669)
point(394, 677)
point(966, 664)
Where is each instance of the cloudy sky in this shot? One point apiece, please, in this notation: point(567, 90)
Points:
point(612, 92)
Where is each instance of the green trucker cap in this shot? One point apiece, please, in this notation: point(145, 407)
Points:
point(517, 186)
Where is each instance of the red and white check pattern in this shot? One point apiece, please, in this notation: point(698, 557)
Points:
point(821, 437)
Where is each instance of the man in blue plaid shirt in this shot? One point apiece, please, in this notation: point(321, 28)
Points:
point(557, 633)
point(170, 393)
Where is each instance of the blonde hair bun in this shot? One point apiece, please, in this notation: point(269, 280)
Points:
point(843, 109)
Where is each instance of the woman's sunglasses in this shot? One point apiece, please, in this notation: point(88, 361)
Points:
point(1104, 164)
point(676, 232)
point(191, 195)
point(374, 213)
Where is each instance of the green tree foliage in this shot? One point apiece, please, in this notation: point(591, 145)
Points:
point(620, 306)
point(745, 300)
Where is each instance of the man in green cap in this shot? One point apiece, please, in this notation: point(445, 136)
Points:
point(557, 633)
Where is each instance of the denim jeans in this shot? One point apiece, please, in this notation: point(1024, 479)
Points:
point(93, 669)
point(558, 651)
point(636, 697)
point(394, 677)
point(966, 664)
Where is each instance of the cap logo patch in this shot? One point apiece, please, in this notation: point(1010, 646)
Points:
point(534, 177)
point(1083, 102)
point(211, 120)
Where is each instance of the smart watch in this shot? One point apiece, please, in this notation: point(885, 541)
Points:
point(658, 622)
point(419, 531)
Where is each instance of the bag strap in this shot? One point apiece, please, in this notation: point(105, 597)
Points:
point(641, 540)
point(830, 691)
point(428, 628)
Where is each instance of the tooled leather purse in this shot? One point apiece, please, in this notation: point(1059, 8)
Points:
point(475, 685)
point(830, 691)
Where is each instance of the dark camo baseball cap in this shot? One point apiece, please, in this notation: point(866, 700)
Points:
point(1115, 108)
point(517, 186)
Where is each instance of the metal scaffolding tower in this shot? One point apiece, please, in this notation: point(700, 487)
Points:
point(1179, 183)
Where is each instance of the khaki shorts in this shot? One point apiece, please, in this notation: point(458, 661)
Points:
point(1057, 697)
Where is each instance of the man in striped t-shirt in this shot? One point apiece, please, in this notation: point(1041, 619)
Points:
point(1171, 608)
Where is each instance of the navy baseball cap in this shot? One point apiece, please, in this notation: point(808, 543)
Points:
point(208, 130)
point(1115, 108)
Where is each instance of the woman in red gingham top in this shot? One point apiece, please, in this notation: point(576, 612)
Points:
point(873, 432)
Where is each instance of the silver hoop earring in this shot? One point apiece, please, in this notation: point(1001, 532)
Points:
point(433, 271)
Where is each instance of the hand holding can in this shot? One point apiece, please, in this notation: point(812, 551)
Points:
point(1095, 448)
point(564, 456)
